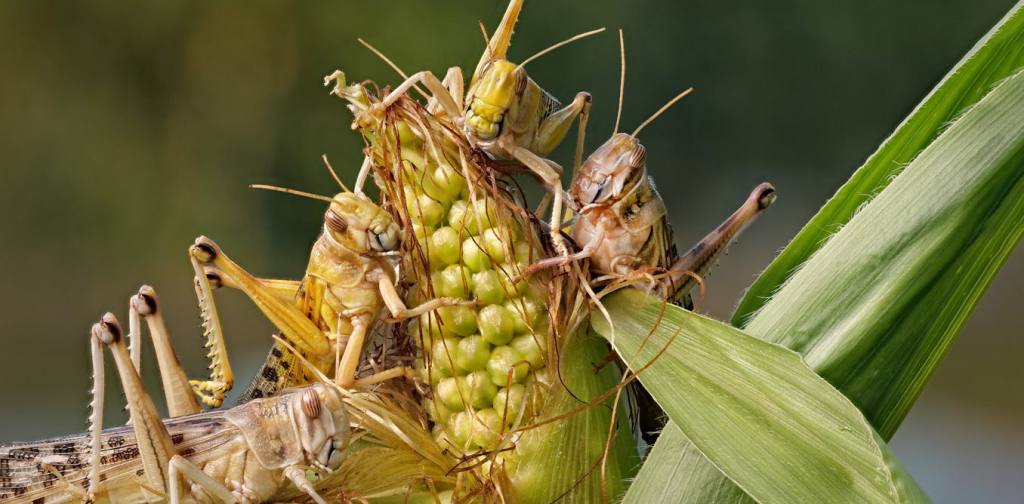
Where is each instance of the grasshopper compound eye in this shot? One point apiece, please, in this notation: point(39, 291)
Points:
point(335, 222)
point(311, 406)
point(638, 158)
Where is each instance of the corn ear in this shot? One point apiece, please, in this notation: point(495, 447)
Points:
point(497, 367)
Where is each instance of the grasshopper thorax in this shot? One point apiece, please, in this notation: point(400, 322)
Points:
point(359, 225)
point(490, 97)
point(611, 171)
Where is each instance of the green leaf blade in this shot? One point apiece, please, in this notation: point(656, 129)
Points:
point(876, 309)
point(753, 408)
point(995, 57)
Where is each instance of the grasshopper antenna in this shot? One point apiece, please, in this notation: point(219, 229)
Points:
point(335, 175)
point(391, 64)
point(622, 80)
point(291, 191)
point(662, 109)
point(560, 44)
point(487, 39)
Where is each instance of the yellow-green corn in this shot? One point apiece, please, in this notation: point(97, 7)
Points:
point(466, 239)
point(494, 368)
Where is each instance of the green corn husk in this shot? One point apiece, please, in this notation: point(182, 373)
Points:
point(497, 368)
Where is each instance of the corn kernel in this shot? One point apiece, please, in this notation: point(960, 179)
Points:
point(487, 427)
point(455, 282)
point(496, 324)
point(528, 347)
point(444, 246)
point(473, 354)
point(505, 363)
point(479, 389)
point(487, 287)
point(460, 320)
point(508, 401)
point(474, 257)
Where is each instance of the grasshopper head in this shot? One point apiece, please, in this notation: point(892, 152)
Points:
point(322, 422)
point(609, 172)
point(499, 85)
point(359, 225)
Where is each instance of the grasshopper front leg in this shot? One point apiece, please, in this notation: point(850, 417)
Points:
point(348, 363)
point(453, 84)
point(438, 90)
point(549, 174)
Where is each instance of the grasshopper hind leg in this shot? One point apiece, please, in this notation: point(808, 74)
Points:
point(177, 389)
point(212, 391)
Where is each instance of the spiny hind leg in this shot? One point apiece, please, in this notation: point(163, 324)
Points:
point(296, 327)
point(180, 466)
point(213, 390)
point(281, 369)
point(152, 439)
point(285, 289)
point(96, 417)
point(177, 389)
point(686, 272)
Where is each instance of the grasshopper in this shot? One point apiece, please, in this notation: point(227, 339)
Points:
point(330, 313)
point(505, 113)
point(239, 455)
point(622, 224)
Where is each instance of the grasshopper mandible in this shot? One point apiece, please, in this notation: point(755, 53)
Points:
point(622, 224)
point(240, 455)
point(504, 113)
point(329, 314)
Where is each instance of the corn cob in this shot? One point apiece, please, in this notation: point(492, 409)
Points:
point(492, 369)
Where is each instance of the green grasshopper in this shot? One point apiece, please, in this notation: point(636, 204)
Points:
point(505, 113)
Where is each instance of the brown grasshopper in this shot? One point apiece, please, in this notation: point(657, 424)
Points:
point(504, 113)
point(240, 455)
point(622, 224)
point(329, 314)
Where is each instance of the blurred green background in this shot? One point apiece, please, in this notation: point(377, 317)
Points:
point(126, 130)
